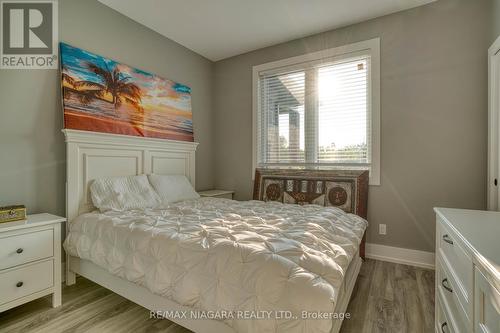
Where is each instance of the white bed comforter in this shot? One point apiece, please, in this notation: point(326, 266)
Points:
point(225, 255)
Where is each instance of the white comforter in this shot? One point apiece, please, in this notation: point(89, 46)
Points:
point(225, 255)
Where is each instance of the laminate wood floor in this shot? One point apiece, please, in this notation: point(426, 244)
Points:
point(387, 298)
point(391, 298)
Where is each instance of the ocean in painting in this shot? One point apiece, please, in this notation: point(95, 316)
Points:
point(102, 95)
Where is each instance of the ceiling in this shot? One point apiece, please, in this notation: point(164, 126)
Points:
point(219, 29)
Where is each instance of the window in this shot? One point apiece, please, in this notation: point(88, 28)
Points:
point(320, 110)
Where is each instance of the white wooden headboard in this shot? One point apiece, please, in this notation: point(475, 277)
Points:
point(92, 155)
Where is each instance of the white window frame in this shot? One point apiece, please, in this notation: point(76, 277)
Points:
point(371, 47)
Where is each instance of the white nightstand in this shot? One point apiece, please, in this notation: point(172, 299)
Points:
point(30, 260)
point(217, 194)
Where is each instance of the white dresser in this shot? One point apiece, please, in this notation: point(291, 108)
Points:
point(30, 260)
point(467, 271)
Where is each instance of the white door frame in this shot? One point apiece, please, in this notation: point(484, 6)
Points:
point(494, 126)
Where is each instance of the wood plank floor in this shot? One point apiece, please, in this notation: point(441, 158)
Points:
point(387, 298)
point(391, 298)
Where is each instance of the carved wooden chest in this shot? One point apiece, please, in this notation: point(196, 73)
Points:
point(347, 190)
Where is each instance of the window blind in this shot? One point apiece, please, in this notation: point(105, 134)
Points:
point(282, 119)
point(343, 113)
point(315, 113)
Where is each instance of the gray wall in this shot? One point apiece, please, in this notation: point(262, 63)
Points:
point(495, 20)
point(32, 146)
point(433, 110)
point(434, 102)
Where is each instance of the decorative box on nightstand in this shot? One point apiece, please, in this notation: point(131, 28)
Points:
point(217, 194)
point(30, 260)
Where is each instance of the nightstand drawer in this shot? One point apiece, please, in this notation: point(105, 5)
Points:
point(26, 280)
point(23, 248)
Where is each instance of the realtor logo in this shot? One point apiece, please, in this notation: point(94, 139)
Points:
point(29, 34)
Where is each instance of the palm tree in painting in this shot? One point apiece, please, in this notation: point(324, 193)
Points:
point(114, 83)
point(84, 96)
point(67, 78)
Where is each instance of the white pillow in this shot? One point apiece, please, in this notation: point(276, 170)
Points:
point(172, 188)
point(123, 193)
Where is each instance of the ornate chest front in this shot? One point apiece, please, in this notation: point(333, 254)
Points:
point(347, 190)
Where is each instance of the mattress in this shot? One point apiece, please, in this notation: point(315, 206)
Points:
point(227, 256)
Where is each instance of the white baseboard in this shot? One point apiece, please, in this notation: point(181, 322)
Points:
point(400, 255)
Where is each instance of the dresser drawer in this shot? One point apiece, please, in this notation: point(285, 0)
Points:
point(457, 261)
point(23, 248)
point(487, 305)
point(449, 295)
point(26, 280)
point(443, 324)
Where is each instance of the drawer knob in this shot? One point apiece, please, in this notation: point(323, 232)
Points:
point(19, 284)
point(447, 239)
point(19, 250)
point(443, 325)
point(444, 283)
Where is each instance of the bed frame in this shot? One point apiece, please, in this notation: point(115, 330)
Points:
point(92, 155)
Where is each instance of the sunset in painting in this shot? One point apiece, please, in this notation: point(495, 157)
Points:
point(103, 95)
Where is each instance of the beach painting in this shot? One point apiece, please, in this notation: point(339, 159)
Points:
point(103, 95)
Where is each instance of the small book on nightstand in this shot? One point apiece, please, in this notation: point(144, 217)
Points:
point(217, 194)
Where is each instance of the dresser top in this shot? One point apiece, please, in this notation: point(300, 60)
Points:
point(480, 231)
point(32, 221)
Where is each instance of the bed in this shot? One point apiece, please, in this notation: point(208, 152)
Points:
point(210, 265)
